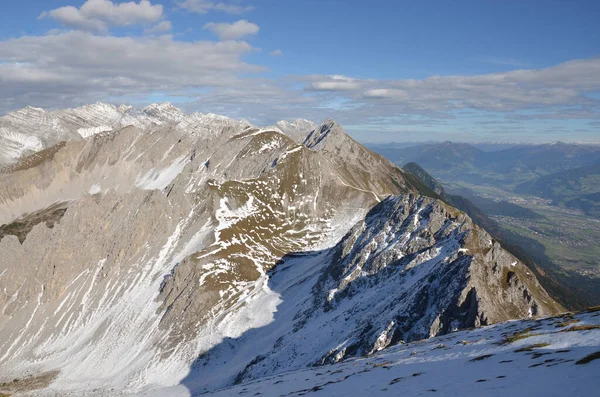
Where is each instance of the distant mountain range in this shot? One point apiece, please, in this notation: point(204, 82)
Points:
point(566, 173)
point(450, 160)
point(570, 289)
point(577, 188)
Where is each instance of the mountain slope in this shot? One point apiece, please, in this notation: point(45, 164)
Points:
point(552, 356)
point(572, 188)
point(402, 274)
point(145, 256)
point(570, 289)
point(179, 226)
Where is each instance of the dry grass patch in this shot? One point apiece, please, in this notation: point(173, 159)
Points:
point(581, 328)
point(481, 357)
point(27, 384)
point(588, 358)
point(523, 334)
point(567, 322)
point(531, 347)
point(25, 224)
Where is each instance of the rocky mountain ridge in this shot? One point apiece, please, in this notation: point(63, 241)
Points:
point(148, 255)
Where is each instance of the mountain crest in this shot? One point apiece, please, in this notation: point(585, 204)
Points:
point(326, 136)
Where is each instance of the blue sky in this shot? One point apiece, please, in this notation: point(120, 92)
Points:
point(487, 70)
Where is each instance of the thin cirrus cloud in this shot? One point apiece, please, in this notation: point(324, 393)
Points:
point(99, 15)
point(276, 53)
point(206, 6)
point(161, 27)
point(505, 62)
point(566, 84)
point(233, 31)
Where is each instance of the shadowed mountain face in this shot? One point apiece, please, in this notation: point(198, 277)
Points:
point(135, 257)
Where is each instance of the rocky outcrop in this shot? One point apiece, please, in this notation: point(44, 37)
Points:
point(412, 269)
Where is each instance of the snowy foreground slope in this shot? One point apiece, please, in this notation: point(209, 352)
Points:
point(554, 356)
point(198, 252)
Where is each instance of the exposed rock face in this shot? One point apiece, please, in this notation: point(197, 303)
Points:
point(296, 129)
point(458, 275)
point(130, 255)
point(412, 269)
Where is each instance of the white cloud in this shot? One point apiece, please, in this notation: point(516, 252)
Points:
point(504, 61)
point(205, 6)
point(335, 83)
point(79, 67)
point(232, 31)
point(161, 27)
point(561, 85)
point(276, 53)
point(99, 15)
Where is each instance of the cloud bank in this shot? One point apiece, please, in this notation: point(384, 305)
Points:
point(99, 15)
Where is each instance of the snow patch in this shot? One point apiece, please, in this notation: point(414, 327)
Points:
point(160, 179)
point(89, 131)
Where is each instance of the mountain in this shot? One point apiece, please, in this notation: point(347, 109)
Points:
point(550, 356)
point(402, 274)
point(464, 163)
point(571, 289)
point(435, 156)
point(296, 129)
point(575, 188)
point(204, 251)
point(31, 129)
point(466, 200)
point(544, 159)
point(429, 181)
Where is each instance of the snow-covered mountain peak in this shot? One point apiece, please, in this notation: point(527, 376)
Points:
point(20, 128)
point(124, 108)
point(164, 112)
point(24, 113)
point(161, 106)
